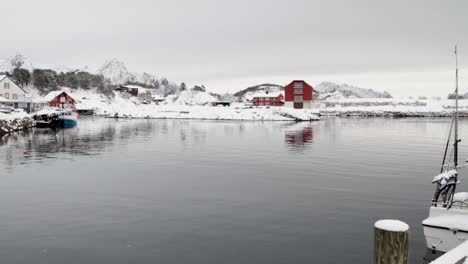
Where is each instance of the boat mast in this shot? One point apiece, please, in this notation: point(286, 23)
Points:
point(455, 147)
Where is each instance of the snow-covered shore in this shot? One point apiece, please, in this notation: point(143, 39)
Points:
point(178, 109)
point(196, 105)
point(392, 108)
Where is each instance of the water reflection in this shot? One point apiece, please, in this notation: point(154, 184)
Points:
point(299, 136)
point(89, 138)
point(215, 187)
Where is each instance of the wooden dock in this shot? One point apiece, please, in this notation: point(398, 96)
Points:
point(458, 255)
point(391, 245)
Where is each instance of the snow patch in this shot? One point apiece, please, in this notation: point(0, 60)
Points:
point(392, 225)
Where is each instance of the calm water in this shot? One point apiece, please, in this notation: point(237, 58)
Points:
point(175, 191)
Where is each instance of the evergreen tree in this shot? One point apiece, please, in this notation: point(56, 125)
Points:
point(183, 87)
point(21, 76)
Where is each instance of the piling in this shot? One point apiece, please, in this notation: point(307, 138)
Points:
point(391, 242)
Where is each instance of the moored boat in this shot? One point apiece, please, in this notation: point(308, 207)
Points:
point(55, 118)
point(447, 224)
point(68, 119)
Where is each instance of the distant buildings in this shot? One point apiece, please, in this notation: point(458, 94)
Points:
point(268, 99)
point(298, 94)
point(134, 90)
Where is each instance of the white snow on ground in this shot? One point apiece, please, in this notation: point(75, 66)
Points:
point(188, 105)
point(193, 98)
point(195, 105)
point(16, 114)
point(392, 225)
point(333, 91)
point(391, 107)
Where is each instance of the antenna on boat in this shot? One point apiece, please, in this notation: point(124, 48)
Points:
point(455, 147)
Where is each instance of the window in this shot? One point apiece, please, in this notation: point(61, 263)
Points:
point(6, 85)
point(298, 98)
point(15, 97)
point(62, 99)
point(7, 96)
point(298, 105)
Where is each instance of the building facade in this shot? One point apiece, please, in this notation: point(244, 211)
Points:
point(60, 99)
point(17, 97)
point(268, 99)
point(298, 94)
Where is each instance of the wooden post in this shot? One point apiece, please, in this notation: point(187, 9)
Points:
point(391, 242)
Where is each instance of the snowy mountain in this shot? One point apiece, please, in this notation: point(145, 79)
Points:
point(330, 90)
point(114, 70)
point(8, 64)
point(117, 73)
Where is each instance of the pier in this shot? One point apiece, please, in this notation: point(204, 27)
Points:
point(391, 245)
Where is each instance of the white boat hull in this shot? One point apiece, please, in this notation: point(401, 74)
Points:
point(445, 229)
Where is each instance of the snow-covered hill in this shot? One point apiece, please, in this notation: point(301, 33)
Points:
point(248, 93)
point(326, 91)
point(191, 98)
point(333, 91)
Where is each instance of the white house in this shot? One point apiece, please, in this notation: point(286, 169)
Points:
point(16, 95)
point(10, 90)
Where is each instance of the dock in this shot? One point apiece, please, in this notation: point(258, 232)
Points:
point(458, 255)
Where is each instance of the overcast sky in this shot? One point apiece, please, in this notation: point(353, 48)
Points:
point(404, 47)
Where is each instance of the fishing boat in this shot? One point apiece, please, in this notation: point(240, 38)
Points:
point(68, 118)
point(55, 118)
point(447, 224)
point(47, 118)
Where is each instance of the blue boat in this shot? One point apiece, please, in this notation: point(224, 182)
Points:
point(68, 119)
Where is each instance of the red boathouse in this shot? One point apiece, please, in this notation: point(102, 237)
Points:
point(60, 99)
point(298, 94)
point(270, 99)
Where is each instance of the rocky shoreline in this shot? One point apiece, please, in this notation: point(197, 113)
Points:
point(9, 126)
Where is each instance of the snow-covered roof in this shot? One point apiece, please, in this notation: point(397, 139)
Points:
point(52, 95)
point(2, 76)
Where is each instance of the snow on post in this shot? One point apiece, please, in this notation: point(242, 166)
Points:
point(391, 242)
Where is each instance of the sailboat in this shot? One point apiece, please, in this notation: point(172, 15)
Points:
point(447, 224)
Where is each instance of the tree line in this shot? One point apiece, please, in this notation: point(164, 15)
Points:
point(47, 80)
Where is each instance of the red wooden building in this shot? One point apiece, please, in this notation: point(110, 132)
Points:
point(270, 99)
point(60, 99)
point(298, 94)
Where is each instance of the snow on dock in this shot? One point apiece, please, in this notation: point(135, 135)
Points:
point(458, 255)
